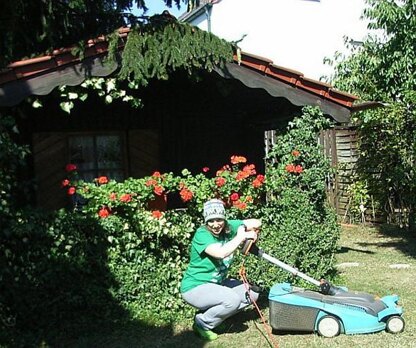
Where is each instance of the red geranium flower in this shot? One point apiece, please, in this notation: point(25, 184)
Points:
point(241, 175)
point(157, 214)
point(290, 168)
point(295, 153)
point(256, 183)
point(113, 196)
point(72, 190)
point(186, 194)
point(235, 196)
point(156, 175)
point(65, 182)
point(103, 212)
point(151, 182)
point(238, 159)
point(260, 178)
point(240, 205)
point(298, 169)
point(205, 169)
point(70, 167)
point(125, 197)
point(158, 190)
point(220, 181)
point(250, 169)
point(102, 180)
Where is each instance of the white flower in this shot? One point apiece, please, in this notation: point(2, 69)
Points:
point(111, 84)
point(37, 104)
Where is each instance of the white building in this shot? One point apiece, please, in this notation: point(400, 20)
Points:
point(297, 34)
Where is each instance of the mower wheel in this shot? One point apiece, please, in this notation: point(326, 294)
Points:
point(395, 324)
point(329, 326)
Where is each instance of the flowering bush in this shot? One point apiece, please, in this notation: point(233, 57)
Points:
point(148, 247)
point(236, 183)
point(299, 226)
point(239, 185)
point(71, 181)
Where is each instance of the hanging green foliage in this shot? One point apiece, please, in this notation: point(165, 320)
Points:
point(158, 49)
point(151, 51)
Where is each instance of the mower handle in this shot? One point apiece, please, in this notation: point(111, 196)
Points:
point(325, 287)
point(251, 247)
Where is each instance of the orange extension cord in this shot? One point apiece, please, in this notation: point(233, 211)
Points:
point(242, 273)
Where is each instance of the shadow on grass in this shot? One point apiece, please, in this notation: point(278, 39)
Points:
point(401, 239)
point(137, 334)
point(344, 250)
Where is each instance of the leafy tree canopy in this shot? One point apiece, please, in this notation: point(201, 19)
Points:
point(384, 69)
point(30, 27)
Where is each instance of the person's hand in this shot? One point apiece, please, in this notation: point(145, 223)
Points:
point(251, 235)
point(243, 235)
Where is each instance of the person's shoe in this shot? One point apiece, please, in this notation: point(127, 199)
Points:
point(205, 334)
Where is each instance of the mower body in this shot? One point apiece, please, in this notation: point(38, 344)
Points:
point(297, 309)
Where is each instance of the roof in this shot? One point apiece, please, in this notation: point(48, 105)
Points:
point(39, 76)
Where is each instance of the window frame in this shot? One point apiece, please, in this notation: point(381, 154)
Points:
point(96, 171)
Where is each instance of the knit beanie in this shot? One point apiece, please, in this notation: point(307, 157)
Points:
point(214, 209)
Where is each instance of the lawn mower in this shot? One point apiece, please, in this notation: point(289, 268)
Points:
point(330, 310)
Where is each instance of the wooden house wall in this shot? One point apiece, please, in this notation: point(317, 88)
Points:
point(143, 152)
point(183, 123)
point(50, 155)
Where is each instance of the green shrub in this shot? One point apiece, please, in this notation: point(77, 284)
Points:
point(300, 228)
point(57, 275)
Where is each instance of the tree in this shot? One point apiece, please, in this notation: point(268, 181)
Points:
point(384, 69)
point(30, 27)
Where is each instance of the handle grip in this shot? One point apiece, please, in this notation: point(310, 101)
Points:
point(247, 246)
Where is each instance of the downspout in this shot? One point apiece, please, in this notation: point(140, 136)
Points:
point(208, 8)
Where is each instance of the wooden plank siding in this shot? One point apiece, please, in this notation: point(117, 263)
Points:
point(50, 155)
point(143, 152)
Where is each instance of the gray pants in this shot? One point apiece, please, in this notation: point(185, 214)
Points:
point(218, 302)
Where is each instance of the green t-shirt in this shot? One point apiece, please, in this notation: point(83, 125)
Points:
point(203, 268)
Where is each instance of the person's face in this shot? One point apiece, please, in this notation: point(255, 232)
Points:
point(216, 225)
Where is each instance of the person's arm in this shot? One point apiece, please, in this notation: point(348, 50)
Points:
point(222, 251)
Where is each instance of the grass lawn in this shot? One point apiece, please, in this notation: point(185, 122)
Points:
point(365, 262)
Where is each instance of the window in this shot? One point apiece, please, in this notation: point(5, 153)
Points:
point(97, 155)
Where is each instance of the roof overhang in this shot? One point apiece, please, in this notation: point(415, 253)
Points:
point(39, 76)
point(278, 88)
point(15, 91)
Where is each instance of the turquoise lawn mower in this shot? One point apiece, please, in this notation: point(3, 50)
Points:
point(328, 311)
